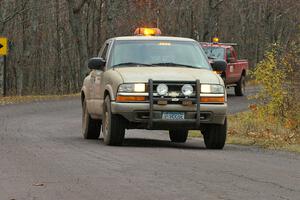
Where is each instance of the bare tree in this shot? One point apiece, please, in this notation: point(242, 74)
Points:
point(52, 40)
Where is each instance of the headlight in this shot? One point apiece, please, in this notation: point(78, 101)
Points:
point(162, 89)
point(187, 90)
point(213, 89)
point(138, 87)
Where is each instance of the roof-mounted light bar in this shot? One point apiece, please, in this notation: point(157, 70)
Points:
point(147, 31)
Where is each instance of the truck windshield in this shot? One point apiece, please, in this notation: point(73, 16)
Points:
point(214, 52)
point(158, 53)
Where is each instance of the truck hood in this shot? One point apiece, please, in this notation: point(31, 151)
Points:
point(143, 74)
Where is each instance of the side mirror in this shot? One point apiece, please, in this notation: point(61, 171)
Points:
point(96, 63)
point(219, 65)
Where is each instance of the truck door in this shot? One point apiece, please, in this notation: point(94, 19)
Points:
point(234, 72)
point(96, 77)
point(237, 66)
point(230, 67)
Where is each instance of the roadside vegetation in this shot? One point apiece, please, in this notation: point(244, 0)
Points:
point(273, 122)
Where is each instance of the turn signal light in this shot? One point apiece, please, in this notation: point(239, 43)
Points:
point(130, 98)
point(212, 99)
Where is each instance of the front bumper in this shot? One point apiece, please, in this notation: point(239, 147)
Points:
point(139, 113)
point(149, 114)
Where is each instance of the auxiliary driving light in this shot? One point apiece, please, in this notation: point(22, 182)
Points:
point(162, 89)
point(187, 89)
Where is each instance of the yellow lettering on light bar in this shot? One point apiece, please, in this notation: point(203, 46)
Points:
point(164, 44)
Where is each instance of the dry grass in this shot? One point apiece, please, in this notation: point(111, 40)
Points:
point(27, 99)
point(252, 82)
point(248, 129)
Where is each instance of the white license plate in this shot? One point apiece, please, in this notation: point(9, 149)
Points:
point(173, 115)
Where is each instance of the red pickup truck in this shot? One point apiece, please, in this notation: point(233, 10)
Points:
point(236, 70)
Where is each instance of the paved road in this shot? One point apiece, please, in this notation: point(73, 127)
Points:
point(238, 104)
point(42, 156)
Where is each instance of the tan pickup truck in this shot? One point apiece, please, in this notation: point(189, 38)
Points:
point(154, 83)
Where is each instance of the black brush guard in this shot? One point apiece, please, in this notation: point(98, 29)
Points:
point(153, 99)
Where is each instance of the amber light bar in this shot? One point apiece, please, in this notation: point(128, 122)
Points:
point(218, 72)
point(130, 98)
point(212, 99)
point(147, 31)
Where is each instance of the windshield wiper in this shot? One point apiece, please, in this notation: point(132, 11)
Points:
point(174, 64)
point(130, 64)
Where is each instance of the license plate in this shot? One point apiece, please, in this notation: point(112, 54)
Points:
point(173, 115)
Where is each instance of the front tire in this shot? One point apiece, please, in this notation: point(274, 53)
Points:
point(178, 136)
point(239, 90)
point(113, 126)
point(90, 127)
point(215, 135)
